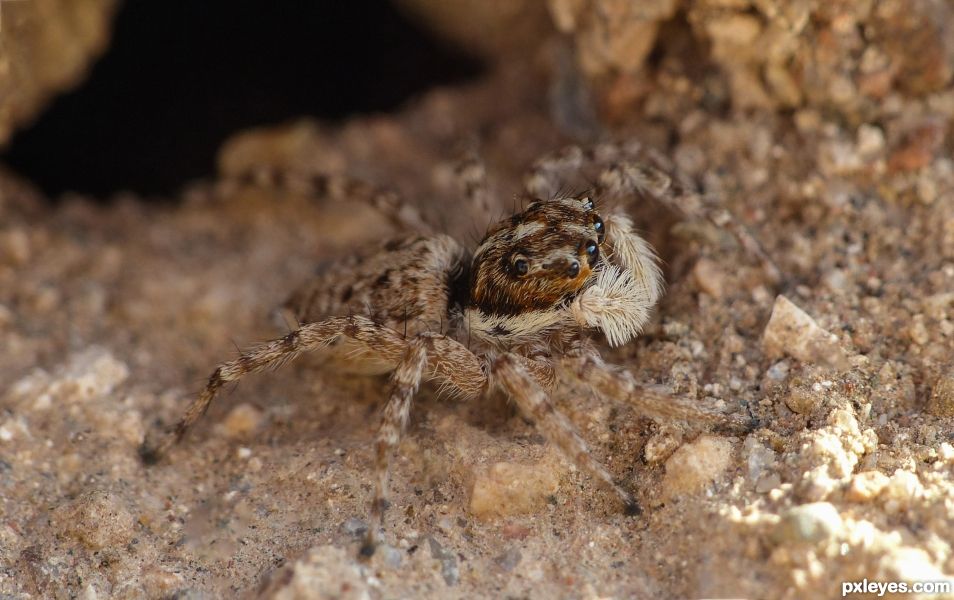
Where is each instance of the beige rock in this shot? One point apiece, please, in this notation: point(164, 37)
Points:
point(941, 402)
point(709, 277)
point(695, 465)
point(98, 518)
point(324, 573)
point(46, 47)
point(661, 446)
point(510, 489)
point(866, 486)
point(242, 420)
point(901, 492)
point(791, 331)
point(812, 522)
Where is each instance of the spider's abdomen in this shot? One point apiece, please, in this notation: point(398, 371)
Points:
point(404, 285)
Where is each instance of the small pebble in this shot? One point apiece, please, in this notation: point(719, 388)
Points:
point(866, 486)
point(803, 401)
point(98, 518)
point(902, 490)
point(709, 277)
point(509, 489)
point(812, 522)
point(390, 555)
point(661, 446)
point(449, 570)
point(941, 401)
point(354, 527)
point(695, 465)
point(792, 332)
point(242, 420)
point(509, 559)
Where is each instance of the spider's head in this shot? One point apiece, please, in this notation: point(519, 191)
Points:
point(538, 259)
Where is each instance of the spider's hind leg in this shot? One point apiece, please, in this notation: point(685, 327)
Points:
point(311, 336)
point(337, 187)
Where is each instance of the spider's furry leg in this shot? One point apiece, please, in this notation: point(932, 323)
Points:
point(652, 175)
point(339, 188)
point(385, 344)
point(626, 288)
point(628, 168)
point(533, 402)
point(655, 401)
point(405, 380)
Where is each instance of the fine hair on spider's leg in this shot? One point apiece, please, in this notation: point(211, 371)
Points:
point(532, 401)
point(404, 383)
point(311, 336)
point(628, 168)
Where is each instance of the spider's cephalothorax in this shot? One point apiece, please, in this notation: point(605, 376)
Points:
point(530, 267)
point(537, 259)
point(509, 316)
point(556, 264)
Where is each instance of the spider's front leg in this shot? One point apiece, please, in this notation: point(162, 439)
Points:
point(511, 373)
point(631, 168)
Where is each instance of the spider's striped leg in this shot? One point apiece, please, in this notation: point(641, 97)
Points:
point(511, 374)
point(382, 343)
point(339, 188)
point(426, 354)
point(309, 337)
point(655, 401)
point(651, 175)
point(405, 380)
point(626, 169)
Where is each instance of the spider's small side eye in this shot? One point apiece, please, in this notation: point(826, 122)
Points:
point(587, 202)
point(592, 251)
point(573, 270)
point(600, 228)
point(521, 266)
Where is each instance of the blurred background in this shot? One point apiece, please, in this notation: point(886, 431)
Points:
point(134, 251)
point(172, 80)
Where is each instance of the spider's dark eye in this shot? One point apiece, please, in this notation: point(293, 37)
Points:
point(587, 203)
point(521, 266)
point(573, 270)
point(592, 251)
point(599, 227)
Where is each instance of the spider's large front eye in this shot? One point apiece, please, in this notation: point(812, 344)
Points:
point(600, 228)
point(592, 251)
point(520, 266)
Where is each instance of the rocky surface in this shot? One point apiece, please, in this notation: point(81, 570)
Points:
point(46, 47)
point(112, 316)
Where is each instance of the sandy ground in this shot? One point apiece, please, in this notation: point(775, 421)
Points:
point(111, 317)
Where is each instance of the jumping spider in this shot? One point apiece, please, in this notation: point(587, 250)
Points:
point(506, 315)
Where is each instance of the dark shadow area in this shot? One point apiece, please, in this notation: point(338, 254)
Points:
point(180, 77)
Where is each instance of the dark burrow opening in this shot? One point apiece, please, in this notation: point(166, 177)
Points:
point(180, 77)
